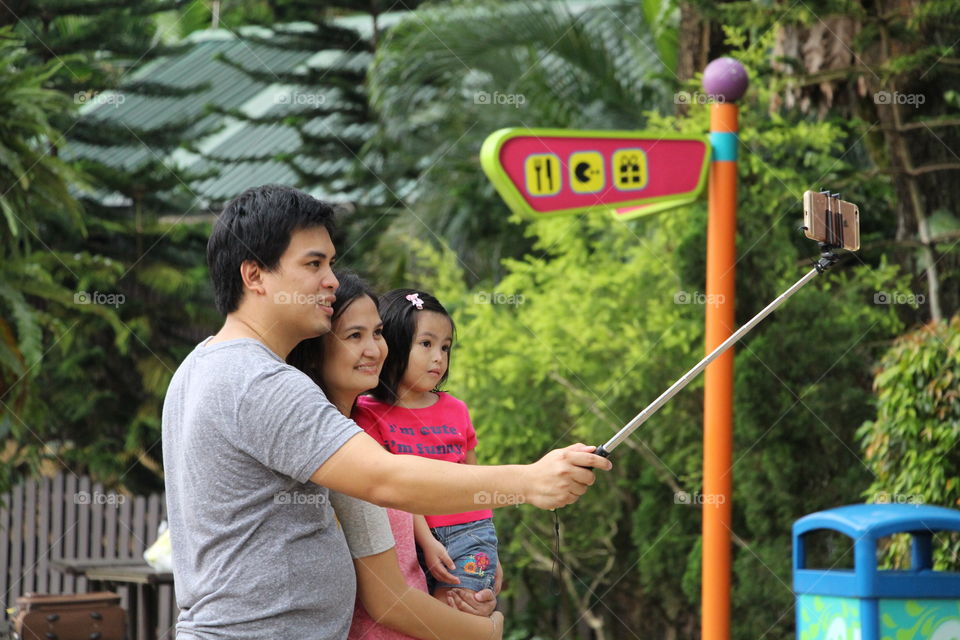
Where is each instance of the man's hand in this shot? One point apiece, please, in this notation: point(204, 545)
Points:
point(438, 561)
point(563, 475)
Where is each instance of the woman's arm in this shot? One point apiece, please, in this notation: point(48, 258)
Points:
point(391, 602)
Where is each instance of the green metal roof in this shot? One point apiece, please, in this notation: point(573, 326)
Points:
point(244, 153)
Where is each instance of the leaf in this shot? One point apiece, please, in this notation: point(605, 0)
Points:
point(29, 335)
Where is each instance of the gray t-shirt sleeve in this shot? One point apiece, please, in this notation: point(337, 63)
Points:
point(365, 526)
point(287, 424)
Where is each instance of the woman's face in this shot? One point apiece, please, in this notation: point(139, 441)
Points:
point(354, 349)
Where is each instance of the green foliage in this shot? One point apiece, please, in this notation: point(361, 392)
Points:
point(440, 84)
point(569, 339)
point(35, 201)
point(100, 302)
point(96, 40)
point(566, 327)
point(586, 329)
point(35, 192)
point(911, 444)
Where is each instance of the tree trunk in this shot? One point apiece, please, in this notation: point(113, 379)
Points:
point(694, 42)
point(912, 207)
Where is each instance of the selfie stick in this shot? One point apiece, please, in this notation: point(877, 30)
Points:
point(827, 260)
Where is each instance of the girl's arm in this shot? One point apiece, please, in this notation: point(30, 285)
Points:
point(435, 555)
point(391, 602)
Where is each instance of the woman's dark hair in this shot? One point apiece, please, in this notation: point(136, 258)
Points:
point(257, 225)
point(399, 317)
point(308, 355)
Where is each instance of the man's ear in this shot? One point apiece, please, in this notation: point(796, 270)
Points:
point(251, 272)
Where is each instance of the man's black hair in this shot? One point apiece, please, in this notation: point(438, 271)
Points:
point(257, 225)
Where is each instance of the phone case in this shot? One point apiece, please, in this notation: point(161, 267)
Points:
point(831, 220)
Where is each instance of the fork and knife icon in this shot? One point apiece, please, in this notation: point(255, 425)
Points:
point(543, 165)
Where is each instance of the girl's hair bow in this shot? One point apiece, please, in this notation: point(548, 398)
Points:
point(415, 300)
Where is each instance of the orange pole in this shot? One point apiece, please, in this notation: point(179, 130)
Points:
point(718, 390)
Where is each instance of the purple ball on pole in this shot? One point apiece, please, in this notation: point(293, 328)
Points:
point(726, 79)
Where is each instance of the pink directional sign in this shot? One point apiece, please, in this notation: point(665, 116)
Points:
point(554, 171)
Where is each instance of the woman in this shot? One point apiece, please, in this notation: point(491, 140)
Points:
point(392, 598)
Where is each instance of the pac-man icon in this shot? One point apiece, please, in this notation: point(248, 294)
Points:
point(586, 172)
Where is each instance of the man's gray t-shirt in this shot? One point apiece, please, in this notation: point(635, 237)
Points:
point(257, 552)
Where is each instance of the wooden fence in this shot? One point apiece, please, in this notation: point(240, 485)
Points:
point(67, 517)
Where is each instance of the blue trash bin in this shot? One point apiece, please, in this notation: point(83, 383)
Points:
point(867, 603)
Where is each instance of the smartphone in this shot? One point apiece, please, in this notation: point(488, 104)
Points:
point(830, 220)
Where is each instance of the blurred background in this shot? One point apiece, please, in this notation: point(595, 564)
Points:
point(126, 126)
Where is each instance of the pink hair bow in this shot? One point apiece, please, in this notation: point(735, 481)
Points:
point(415, 300)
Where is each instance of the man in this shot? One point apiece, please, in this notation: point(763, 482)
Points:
point(251, 445)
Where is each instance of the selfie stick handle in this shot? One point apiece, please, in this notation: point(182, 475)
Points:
point(822, 265)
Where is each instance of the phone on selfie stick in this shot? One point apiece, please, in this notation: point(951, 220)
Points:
point(834, 224)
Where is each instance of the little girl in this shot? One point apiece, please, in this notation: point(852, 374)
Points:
point(409, 415)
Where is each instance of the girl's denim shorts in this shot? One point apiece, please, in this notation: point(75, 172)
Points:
point(473, 548)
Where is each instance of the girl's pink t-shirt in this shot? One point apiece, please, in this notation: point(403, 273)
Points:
point(442, 431)
point(363, 626)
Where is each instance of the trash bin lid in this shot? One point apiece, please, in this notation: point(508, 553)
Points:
point(879, 520)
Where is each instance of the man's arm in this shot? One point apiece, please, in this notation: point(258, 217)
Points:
point(363, 469)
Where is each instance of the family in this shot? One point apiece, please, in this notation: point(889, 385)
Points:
point(299, 441)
